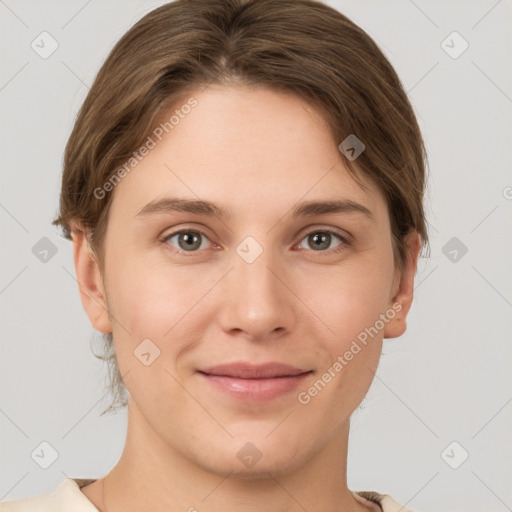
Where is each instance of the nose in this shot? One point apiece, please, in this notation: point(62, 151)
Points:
point(257, 301)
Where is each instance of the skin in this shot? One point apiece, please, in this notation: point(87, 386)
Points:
point(248, 150)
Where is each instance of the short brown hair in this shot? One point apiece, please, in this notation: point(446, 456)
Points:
point(299, 46)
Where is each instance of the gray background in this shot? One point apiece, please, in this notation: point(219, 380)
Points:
point(447, 379)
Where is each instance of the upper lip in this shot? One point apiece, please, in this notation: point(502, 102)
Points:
point(245, 370)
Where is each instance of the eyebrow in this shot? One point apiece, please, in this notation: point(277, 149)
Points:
point(200, 207)
point(310, 208)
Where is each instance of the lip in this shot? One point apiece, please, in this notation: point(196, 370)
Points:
point(245, 370)
point(254, 382)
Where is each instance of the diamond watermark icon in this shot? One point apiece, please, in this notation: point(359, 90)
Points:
point(44, 455)
point(44, 45)
point(146, 352)
point(454, 249)
point(249, 249)
point(249, 455)
point(454, 45)
point(44, 250)
point(352, 147)
point(454, 455)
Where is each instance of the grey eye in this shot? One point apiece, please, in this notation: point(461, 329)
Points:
point(187, 240)
point(321, 240)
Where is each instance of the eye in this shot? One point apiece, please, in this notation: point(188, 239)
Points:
point(320, 240)
point(187, 240)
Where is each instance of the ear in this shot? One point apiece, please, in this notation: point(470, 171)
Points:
point(403, 288)
point(90, 281)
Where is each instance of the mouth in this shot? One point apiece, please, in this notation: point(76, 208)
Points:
point(250, 382)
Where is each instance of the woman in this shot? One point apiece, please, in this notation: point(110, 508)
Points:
point(243, 188)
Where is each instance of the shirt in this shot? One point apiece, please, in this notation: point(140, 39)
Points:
point(68, 497)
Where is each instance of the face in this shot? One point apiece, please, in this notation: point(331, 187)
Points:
point(272, 281)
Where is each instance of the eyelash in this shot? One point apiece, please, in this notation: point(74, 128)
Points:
point(343, 245)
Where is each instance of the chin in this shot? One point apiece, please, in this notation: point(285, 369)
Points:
point(260, 471)
point(270, 461)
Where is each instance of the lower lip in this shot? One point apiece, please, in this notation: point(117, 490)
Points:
point(255, 389)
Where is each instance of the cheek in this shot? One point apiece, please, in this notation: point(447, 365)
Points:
point(349, 304)
point(349, 299)
point(153, 301)
point(144, 304)
point(149, 297)
point(150, 303)
point(348, 337)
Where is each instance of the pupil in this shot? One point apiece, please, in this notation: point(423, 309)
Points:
point(321, 238)
point(190, 240)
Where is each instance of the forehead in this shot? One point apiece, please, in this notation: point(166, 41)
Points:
point(266, 148)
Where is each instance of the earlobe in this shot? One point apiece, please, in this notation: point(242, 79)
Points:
point(402, 300)
point(90, 281)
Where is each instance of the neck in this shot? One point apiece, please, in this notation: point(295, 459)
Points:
point(152, 475)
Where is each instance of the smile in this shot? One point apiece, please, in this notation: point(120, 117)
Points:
point(254, 382)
